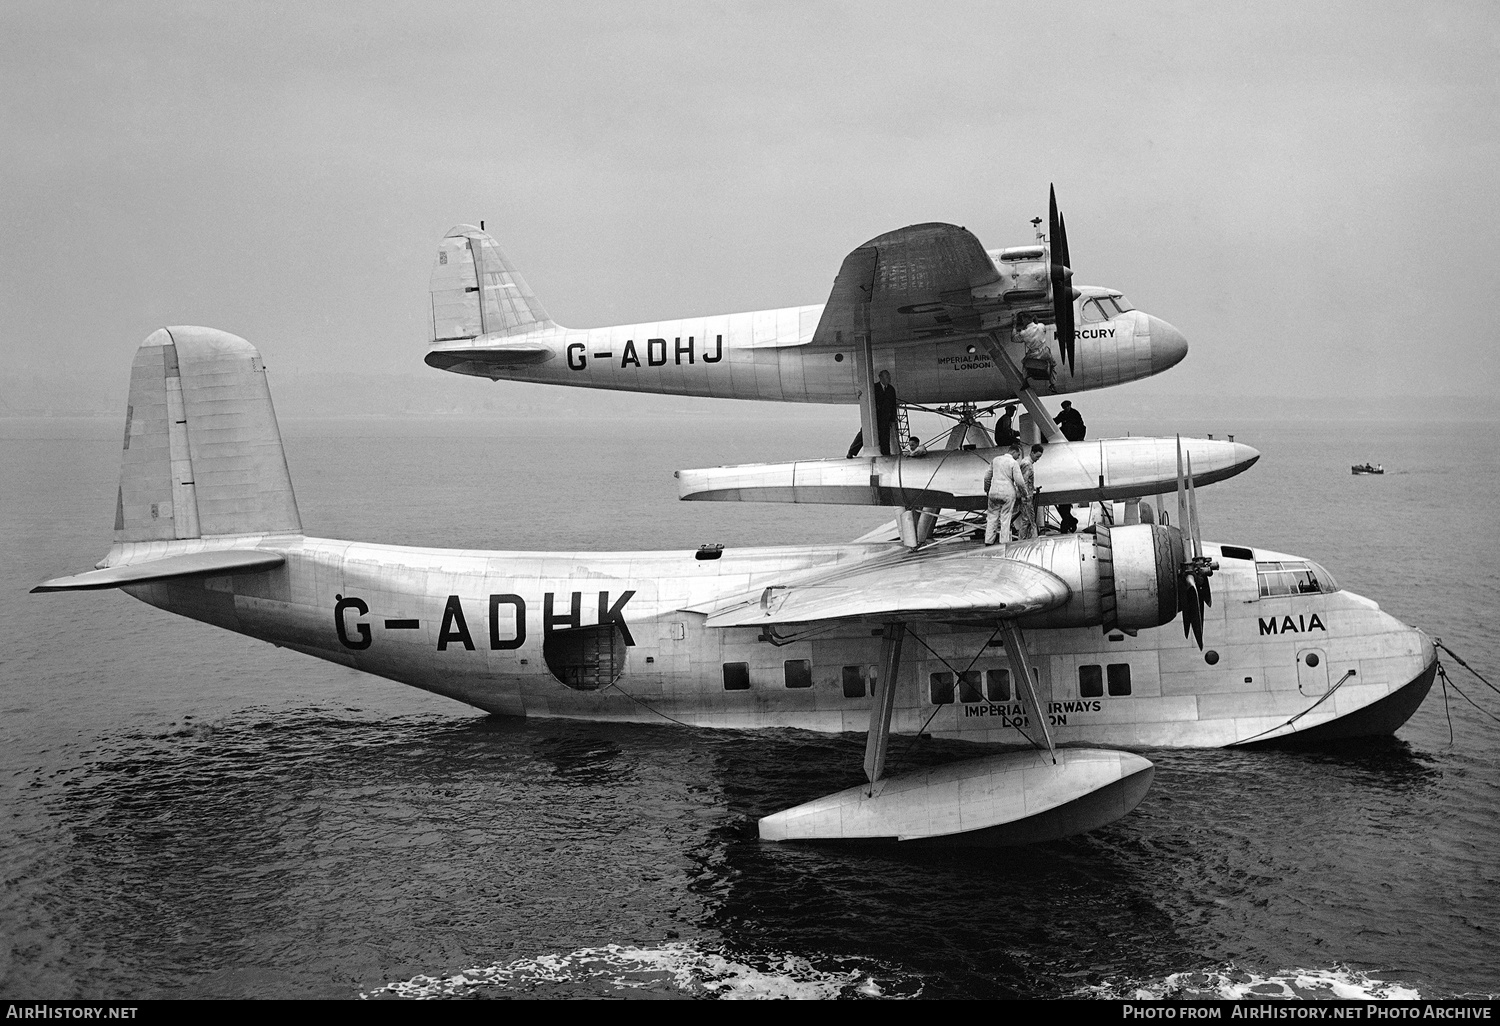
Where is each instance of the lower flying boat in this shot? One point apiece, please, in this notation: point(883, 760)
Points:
point(1050, 642)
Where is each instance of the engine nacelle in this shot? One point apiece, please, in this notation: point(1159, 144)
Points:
point(1138, 566)
point(1120, 577)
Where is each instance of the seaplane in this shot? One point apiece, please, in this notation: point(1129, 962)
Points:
point(1061, 650)
point(955, 324)
point(950, 321)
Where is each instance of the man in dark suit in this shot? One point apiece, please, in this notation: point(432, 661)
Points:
point(885, 411)
point(1070, 422)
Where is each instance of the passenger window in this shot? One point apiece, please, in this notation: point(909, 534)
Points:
point(854, 682)
point(940, 688)
point(997, 685)
point(1091, 681)
point(798, 673)
point(736, 676)
point(968, 687)
point(1119, 679)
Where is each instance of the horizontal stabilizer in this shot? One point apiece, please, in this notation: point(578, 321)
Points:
point(1016, 798)
point(923, 585)
point(190, 564)
point(1089, 471)
point(478, 357)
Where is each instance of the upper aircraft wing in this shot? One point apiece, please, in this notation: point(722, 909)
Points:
point(909, 285)
point(933, 585)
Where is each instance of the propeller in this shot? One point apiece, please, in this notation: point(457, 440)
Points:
point(1062, 276)
point(1193, 591)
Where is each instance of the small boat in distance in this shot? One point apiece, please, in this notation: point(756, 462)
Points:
point(1368, 468)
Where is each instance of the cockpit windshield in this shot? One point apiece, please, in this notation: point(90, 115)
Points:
point(1102, 308)
point(1294, 577)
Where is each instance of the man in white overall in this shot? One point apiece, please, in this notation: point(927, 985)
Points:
point(1005, 486)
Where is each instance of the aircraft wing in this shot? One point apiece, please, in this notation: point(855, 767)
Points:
point(966, 585)
point(919, 283)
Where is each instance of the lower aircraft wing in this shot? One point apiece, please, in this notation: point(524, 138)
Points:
point(932, 585)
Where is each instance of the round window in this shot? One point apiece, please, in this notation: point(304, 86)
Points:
point(1211, 657)
point(1312, 659)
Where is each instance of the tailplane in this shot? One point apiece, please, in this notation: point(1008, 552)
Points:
point(476, 291)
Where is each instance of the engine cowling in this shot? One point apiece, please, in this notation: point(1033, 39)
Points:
point(1121, 577)
point(1138, 568)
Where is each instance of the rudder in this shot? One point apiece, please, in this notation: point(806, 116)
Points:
point(475, 291)
point(202, 452)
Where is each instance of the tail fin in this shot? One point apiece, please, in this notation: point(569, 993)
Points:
point(476, 291)
point(203, 453)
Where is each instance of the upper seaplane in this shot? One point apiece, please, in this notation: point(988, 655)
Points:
point(1044, 644)
point(952, 322)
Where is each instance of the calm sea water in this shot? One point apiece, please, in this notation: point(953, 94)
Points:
point(192, 813)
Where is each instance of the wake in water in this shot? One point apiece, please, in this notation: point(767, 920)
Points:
point(683, 970)
point(1339, 983)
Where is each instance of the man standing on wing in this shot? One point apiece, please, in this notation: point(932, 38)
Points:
point(1005, 486)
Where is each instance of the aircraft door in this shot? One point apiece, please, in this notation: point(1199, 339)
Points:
point(1312, 672)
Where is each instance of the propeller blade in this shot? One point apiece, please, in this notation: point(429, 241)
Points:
point(1187, 601)
point(1198, 628)
point(1062, 241)
point(1062, 289)
point(1182, 517)
point(1192, 498)
point(1205, 590)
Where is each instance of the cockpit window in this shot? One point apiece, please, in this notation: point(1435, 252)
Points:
point(1092, 312)
point(1293, 577)
point(1102, 308)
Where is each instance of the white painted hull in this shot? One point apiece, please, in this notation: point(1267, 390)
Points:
point(1258, 687)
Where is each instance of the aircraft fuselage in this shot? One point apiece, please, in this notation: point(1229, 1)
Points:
point(475, 626)
point(762, 355)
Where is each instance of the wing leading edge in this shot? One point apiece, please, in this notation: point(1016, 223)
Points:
point(966, 585)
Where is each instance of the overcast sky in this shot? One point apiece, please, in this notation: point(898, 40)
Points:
point(1307, 191)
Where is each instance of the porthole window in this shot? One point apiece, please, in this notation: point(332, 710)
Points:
point(940, 688)
point(798, 673)
point(1312, 659)
point(1211, 657)
point(997, 685)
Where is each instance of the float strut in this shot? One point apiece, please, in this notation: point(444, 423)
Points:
point(885, 700)
point(1020, 672)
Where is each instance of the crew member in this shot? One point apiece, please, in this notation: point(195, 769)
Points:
point(1023, 520)
point(914, 447)
point(1070, 421)
point(885, 412)
point(1005, 431)
point(1004, 486)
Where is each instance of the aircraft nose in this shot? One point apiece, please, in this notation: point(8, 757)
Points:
point(1168, 346)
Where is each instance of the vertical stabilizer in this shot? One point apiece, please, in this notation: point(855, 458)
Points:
point(202, 453)
point(476, 291)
